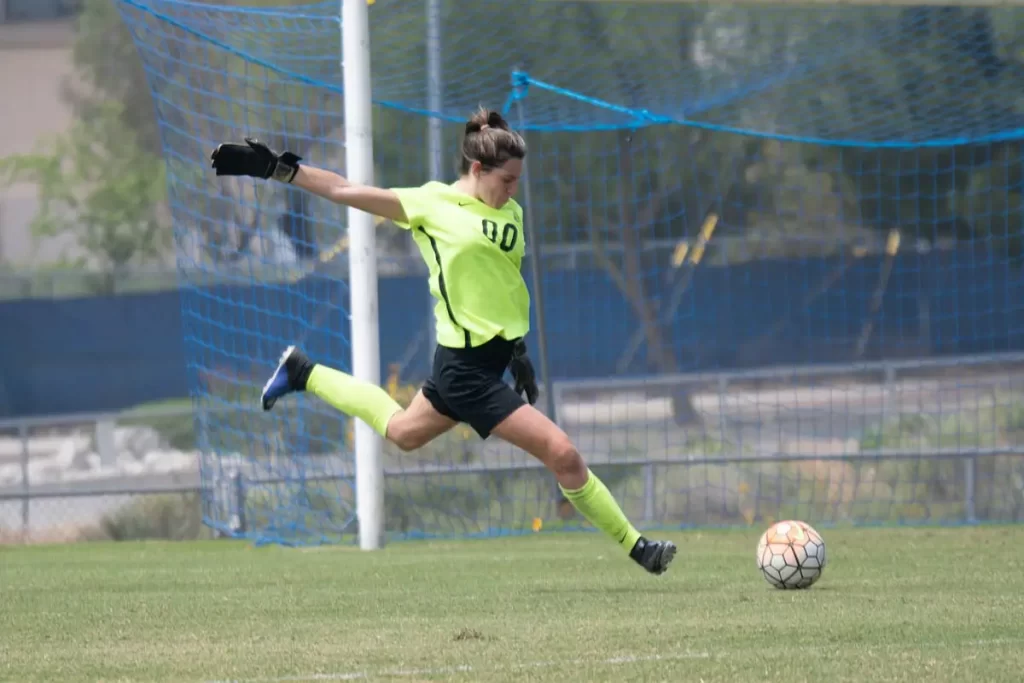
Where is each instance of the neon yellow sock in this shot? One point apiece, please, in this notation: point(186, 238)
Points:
point(595, 502)
point(352, 396)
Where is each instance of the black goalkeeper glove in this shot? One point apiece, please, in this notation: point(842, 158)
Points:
point(256, 160)
point(523, 373)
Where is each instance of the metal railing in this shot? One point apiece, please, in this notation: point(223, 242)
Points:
point(22, 503)
point(82, 509)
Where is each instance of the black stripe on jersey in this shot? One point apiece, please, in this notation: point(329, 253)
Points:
point(441, 286)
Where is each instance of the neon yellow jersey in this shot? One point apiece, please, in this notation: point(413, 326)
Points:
point(475, 255)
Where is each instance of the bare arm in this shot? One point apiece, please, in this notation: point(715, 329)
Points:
point(329, 185)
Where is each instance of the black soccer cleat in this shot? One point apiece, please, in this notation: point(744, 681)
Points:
point(654, 556)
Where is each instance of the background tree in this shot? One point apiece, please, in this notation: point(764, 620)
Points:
point(103, 179)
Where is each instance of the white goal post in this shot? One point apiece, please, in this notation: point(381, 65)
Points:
point(355, 57)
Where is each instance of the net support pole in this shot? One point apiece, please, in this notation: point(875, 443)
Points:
point(355, 47)
point(537, 272)
point(435, 154)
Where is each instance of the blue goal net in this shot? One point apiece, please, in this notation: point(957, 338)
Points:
point(778, 255)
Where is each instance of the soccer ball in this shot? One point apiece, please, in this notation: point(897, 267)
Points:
point(791, 554)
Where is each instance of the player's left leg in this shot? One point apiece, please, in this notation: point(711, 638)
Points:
point(531, 430)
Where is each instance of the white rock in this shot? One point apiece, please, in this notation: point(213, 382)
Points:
point(43, 470)
point(136, 441)
point(131, 467)
point(72, 454)
point(11, 448)
point(10, 475)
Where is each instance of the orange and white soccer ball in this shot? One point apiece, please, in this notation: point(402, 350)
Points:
point(791, 554)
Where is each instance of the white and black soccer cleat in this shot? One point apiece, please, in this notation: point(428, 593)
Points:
point(654, 556)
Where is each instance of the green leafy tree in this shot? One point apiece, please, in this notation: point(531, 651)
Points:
point(105, 179)
point(97, 182)
point(102, 180)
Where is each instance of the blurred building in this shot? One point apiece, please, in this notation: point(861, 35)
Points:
point(35, 59)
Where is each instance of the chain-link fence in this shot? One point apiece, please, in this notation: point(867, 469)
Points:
point(842, 444)
point(100, 476)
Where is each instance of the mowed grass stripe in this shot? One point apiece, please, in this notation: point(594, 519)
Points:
point(893, 604)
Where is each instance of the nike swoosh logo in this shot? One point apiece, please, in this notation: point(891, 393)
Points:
point(465, 203)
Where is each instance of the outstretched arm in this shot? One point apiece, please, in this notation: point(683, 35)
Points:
point(330, 185)
point(256, 160)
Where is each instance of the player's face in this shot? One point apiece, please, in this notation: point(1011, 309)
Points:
point(498, 185)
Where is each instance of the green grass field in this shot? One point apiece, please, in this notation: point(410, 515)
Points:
point(893, 605)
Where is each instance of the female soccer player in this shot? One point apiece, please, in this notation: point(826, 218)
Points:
point(471, 236)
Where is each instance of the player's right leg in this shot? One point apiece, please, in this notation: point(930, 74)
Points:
point(470, 385)
point(408, 428)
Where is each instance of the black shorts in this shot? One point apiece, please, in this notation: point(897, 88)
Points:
point(468, 385)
